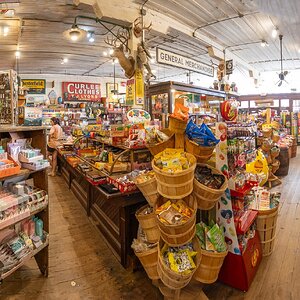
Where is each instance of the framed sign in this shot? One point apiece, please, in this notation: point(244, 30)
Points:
point(35, 86)
point(81, 91)
point(176, 60)
point(110, 88)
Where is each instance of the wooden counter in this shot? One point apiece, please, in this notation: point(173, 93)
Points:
point(112, 214)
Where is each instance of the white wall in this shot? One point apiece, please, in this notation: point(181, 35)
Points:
point(58, 79)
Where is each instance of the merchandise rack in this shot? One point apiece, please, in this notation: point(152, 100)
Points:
point(40, 179)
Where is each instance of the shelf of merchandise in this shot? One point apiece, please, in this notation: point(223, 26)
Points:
point(40, 180)
point(32, 253)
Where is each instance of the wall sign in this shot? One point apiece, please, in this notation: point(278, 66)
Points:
point(139, 87)
point(130, 92)
point(172, 59)
point(76, 91)
point(35, 86)
point(229, 67)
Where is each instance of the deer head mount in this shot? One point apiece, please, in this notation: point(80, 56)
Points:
point(118, 42)
point(138, 27)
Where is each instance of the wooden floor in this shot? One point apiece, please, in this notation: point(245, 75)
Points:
point(78, 254)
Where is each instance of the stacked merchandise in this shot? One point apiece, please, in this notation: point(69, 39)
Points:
point(172, 194)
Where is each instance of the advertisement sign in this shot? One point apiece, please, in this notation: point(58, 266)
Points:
point(81, 91)
point(130, 92)
point(229, 67)
point(176, 60)
point(139, 87)
point(35, 86)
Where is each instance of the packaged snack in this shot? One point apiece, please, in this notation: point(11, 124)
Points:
point(181, 112)
point(208, 244)
point(217, 239)
point(200, 232)
point(202, 135)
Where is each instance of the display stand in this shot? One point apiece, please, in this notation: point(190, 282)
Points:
point(40, 179)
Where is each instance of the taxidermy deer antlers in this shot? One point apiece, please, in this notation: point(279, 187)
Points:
point(138, 28)
point(127, 63)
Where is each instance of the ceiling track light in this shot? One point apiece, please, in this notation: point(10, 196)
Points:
point(91, 36)
point(263, 43)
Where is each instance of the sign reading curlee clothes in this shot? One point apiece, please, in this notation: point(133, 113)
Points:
point(74, 91)
point(176, 60)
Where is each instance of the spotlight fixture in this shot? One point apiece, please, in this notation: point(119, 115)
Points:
point(18, 54)
point(275, 32)
point(91, 36)
point(75, 33)
point(65, 60)
point(263, 43)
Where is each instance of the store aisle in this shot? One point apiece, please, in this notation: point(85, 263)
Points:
point(77, 253)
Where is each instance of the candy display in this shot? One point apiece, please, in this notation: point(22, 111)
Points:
point(205, 176)
point(211, 237)
point(264, 199)
point(172, 160)
point(202, 135)
point(174, 213)
point(155, 136)
point(181, 112)
point(179, 259)
point(144, 176)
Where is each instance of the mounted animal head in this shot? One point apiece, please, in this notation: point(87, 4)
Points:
point(138, 27)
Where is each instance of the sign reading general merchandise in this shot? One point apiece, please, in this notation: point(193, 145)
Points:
point(76, 91)
point(172, 59)
point(35, 86)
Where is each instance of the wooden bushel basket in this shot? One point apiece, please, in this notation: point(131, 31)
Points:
point(207, 197)
point(210, 265)
point(266, 226)
point(177, 235)
point(178, 185)
point(157, 148)
point(148, 260)
point(176, 125)
point(149, 190)
point(149, 224)
point(171, 279)
point(197, 150)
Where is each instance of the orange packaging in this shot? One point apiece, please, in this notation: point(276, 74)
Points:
point(181, 112)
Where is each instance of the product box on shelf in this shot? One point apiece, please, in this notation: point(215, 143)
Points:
point(123, 187)
point(37, 165)
point(9, 167)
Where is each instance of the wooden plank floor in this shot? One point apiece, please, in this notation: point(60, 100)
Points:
point(77, 253)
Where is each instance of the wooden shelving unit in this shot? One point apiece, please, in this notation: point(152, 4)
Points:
point(40, 178)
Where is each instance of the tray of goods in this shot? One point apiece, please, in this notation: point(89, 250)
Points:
point(8, 167)
point(95, 178)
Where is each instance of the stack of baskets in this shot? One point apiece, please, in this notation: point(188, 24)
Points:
point(179, 186)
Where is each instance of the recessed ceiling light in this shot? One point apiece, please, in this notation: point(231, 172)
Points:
point(65, 60)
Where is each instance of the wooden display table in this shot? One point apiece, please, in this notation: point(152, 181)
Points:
point(112, 214)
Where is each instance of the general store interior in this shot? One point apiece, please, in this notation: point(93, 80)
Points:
point(175, 174)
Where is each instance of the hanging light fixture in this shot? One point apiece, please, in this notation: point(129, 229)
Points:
point(18, 54)
point(75, 33)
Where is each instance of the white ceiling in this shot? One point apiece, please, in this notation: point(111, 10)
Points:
point(42, 44)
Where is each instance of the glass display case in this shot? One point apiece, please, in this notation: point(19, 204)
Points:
point(200, 100)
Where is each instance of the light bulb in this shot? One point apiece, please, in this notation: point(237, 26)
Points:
point(5, 31)
point(18, 54)
point(74, 34)
point(65, 60)
point(91, 39)
point(111, 51)
point(105, 53)
point(274, 33)
point(263, 43)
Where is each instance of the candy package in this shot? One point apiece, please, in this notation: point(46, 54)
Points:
point(181, 112)
point(201, 135)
